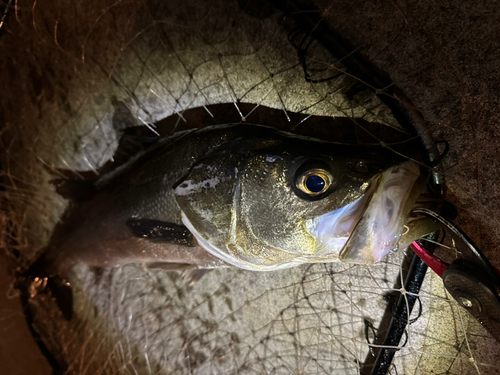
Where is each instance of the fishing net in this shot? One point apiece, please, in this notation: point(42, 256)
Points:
point(75, 74)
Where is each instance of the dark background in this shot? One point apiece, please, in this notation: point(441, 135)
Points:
point(443, 55)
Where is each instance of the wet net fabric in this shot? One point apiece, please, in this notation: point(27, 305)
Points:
point(75, 75)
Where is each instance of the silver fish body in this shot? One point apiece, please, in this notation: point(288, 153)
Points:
point(243, 192)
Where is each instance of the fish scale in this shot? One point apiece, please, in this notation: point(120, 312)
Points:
point(225, 195)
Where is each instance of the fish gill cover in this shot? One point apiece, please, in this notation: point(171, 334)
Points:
point(75, 74)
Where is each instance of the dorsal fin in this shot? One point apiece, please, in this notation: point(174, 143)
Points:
point(79, 186)
point(75, 190)
point(132, 141)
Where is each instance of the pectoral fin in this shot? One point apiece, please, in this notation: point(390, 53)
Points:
point(157, 230)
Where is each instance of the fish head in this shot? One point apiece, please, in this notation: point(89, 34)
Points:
point(273, 200)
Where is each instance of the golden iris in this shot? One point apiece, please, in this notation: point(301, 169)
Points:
point(314, 181)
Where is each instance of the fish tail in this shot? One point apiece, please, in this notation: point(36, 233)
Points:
point(30, 283)
point(39, 278)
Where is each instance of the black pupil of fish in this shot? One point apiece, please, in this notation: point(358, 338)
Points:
point(315, 183)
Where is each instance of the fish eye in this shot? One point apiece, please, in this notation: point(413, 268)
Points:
point(314, 181)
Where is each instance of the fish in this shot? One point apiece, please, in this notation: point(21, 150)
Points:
point(238, 195)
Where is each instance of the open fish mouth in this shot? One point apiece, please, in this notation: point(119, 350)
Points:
point(361, 232)
point(371, 227)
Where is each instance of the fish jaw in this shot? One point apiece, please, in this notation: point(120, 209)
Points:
point(332, 230)
point(369, 228)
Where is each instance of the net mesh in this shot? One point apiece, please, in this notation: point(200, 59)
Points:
point(75, 74)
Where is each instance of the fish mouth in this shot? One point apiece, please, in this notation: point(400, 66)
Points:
point(371, 227)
